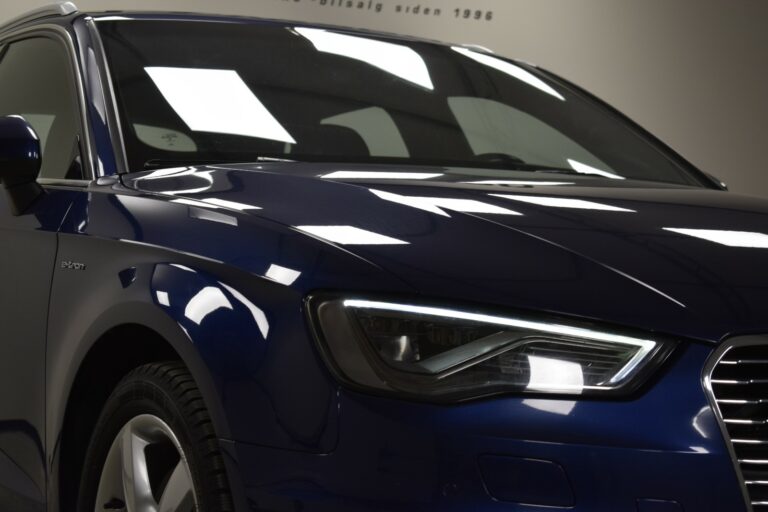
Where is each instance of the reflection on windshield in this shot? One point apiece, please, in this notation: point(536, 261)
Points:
point(396, 59)
point(194, 92)
point(217, 101)
point(510, 69)
point(588, 169)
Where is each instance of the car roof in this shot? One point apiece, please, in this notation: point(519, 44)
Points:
point(67, 11)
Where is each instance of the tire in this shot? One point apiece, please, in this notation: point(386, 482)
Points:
point(154, 448)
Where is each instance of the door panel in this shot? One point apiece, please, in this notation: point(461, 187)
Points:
point(36, 81)
point(27, 259)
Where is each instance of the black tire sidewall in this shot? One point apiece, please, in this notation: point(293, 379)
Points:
point(137, 395)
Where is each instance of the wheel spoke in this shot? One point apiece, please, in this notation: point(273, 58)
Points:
point(136, 486)
point(178, 495)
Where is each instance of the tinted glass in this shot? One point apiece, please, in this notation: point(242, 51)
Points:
point(36, 82)
point(193, 91)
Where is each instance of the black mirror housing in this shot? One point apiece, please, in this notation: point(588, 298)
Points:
point(20, 160)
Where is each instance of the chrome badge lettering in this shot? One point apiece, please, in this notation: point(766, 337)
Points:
point(72, 265)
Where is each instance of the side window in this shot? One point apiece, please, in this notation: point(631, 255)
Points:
point(36, 82)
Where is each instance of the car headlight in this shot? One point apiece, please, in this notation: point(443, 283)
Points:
point(444, 354)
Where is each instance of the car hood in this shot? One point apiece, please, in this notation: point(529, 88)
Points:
point(684, 261)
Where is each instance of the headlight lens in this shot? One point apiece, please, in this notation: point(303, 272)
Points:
point(444, 354)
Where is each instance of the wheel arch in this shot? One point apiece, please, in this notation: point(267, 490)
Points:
point(122, 338)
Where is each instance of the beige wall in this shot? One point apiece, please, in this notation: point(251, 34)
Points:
point(691, 71)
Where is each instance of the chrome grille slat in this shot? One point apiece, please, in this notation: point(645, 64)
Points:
point(736, 379)
point(739, 382)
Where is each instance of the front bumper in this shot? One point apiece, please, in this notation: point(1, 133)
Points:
point(661, 451)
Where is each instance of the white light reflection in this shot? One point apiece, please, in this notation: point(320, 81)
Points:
point(745, 239)
point(183, 267)
point(518, 183)
point(374, 175)
point(282, 275)
point(163, 298)
point(702, 418)
point(210, 216)
point(563, 202)
point(644, 347)
point(215, 204)
point(395, 59)
point(168, 173)
point(438, 204)
point(562, 407)
point(350, 235)
point(232, 205)
point(555, 375)
point(207, 300)
point(258, 315)
point(510, 69)
point(178, 172)
point(217, 101)
point(588, 169)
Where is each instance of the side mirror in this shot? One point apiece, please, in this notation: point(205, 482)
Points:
point(20, 160)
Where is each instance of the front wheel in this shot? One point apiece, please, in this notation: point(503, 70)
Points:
point(154, 448)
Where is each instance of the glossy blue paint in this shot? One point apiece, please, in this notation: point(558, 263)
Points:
point(225, 285)
point(20, 154)
point(614, 244)
point(661, 445)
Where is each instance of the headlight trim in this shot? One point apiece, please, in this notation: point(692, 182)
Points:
point(651, 351)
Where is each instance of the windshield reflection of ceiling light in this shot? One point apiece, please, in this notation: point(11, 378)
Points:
point(588, 169)
point(562, 407)
point(163, 298)
point(510, 69)
point(374, 175)
point(350, 235)
point(555, 375)
point(746, 239)
point(438, 205)
point(282, 275)
point(564, 202)
point(217, 101)
point(395, 59)
point(258, 315)
point(518, 183)
point(207, 300)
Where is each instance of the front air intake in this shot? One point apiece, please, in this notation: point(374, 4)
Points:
point(737, 380)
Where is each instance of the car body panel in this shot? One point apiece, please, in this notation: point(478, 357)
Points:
point(607, 256)
point(416, 457)
point(29, 243)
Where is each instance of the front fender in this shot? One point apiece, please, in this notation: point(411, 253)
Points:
point(243, 338)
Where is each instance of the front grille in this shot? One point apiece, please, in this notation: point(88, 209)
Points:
point(738, 382)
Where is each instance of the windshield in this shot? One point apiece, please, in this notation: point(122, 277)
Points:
point(203, 92)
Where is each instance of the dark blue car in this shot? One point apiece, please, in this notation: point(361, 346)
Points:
point(251, 265)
